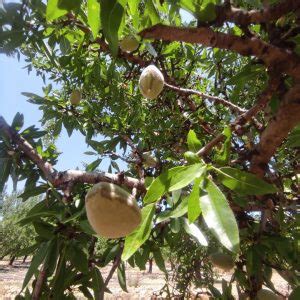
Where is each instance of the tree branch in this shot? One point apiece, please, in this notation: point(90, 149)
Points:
point(115, 265)
point(36, 294)
point(281, 60)
point(30, 152)
point(245, 117)
point(243, 17)
point(286, 118)
point(61, 178)
point(222, 101)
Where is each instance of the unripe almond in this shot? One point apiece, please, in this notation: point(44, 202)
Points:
point(129, 44)
point(75, 97)
point(149, 160)
point(222, 261)
point(265, 294)
point(151, 82)
point(111, 211)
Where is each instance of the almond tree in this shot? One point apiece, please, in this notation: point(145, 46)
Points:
point(224, 132)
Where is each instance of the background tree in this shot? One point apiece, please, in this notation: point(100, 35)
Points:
point(223, 131)
point(15, 239)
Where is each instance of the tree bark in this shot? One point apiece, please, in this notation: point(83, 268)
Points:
point(11, 260)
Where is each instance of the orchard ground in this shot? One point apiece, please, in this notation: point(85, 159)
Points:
point(141, 284)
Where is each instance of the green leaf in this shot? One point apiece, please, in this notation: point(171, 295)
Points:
point(86, 227)
point(35, 263)
point(18, 122)
point(194, 208)
point(111, 254)
point(112, 13)
point(208, 13)
point(219, 217)
point(58, 8)
point(97, 282)
point(294, 138)
point(295, 295)
point(223, 155)
point(142, 258)
point(243, 182)
point(185, 176)
point(43, 229)
point(5, 169)
point(93, 11)
point(136, 239)
point(194, 144)
point(180, 210)
point(122, 277)
point(77, 256)
point(175, 225)
point(159, 260)
point(173, 179)
point(92, 166)
point(194, 231)
point(33, 192)
point(51, 257)
point(152, 12)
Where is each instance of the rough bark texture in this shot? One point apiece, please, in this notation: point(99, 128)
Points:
point(61, 178)
point(244, 17)
point(281, 60)
point(286, 118)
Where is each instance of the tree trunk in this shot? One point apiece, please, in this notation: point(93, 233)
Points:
point(24, 259)
point(11, 261)
point(150, 265)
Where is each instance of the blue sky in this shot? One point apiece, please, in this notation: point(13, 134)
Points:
point(14, 80)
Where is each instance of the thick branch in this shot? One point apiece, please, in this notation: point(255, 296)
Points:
point(28, 150)
point(244, 17)
point(245, 117)
point(286, 118)
point(281, 60)
point(94, 177)
point(61, 178)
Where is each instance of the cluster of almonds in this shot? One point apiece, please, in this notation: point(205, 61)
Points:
point(151, 81)
point(112, 211)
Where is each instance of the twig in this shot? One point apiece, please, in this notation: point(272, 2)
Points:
point(206, 96)
point(39, 283)
point(245, 117)
point(115, 265)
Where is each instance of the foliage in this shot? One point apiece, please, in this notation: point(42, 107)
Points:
point(217, 132)
point(15, 239)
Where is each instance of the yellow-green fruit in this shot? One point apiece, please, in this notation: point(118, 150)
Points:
point(191, 157)
point(75, 97)
point(149, 160)
point(111, 211)
point(151, 82)
point(264, 294)
point(222, 261)
point(129, 44)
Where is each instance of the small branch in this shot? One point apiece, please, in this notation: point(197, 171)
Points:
point(245, 117)
point(222, 101)
point(39, 283)
point(115, 265)
point(282, 60)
